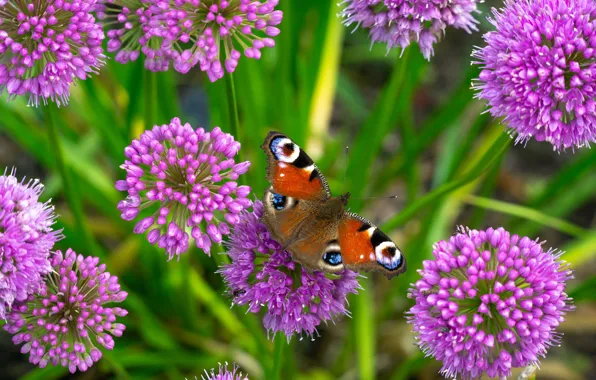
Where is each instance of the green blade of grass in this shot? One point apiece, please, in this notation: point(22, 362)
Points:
point(527, 213)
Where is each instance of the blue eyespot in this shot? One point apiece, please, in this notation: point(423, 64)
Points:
point(332, 258)
point(279, 201)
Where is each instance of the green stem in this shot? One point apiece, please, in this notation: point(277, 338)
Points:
point(233, 107)
point(365, 331)
point(72, 195)
point(278, 351)
point(233, 116)
point(150, 99)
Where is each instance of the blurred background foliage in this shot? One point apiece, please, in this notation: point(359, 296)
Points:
point(414, 131)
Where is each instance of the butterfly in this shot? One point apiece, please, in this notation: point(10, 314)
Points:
point(314, 226)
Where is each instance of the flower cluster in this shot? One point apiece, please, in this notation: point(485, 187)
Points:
point(45, 46)
point(224, 374)
point(63, 324)
point(489, 301)
point(186, 177)
point(398, 23)
point(539, 70)
point(134, 28)
point(212, 34)
point(262, 275)
point(26, 238)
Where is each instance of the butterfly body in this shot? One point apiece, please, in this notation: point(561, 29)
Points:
point(314, 226)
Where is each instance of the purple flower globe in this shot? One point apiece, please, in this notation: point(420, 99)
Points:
point(263, 276)
point(224, 374)
point(133, 28)
point(398, 23)
point(489, 301)
point(69, 319)
point(183, 181)
point(26, 238)
point(539, 70)
point(215, 33)
point(45, 46)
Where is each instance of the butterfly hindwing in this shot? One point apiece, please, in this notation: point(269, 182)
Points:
point(291, 171)
point(364, 246)
point(311, 240)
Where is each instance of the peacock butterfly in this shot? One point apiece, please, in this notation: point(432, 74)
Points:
point(315, 226)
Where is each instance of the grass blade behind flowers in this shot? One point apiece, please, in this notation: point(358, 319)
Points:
point(71, 192)
point(365, 150)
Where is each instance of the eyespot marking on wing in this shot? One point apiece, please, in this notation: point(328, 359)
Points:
point(332, 255)
point(280, 202)
point(284, 149)
point(386, 252)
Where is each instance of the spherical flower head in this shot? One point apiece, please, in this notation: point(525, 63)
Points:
point(263, 275)
point(398, 23)
point(187, 179)
point(26, 238)
point(489, 301)
point(69, 319)
point(539, 70)
point(133, 28)
point(215, 33)
point(224, 374)
point(45, 46)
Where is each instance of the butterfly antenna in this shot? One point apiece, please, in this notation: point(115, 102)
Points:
point(346, 168)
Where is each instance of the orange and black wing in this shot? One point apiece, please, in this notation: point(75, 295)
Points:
point(364, 246)
point(291, 171)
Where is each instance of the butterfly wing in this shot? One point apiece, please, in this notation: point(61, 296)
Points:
point(297, 226)
point(291, 171)
point(364, 246)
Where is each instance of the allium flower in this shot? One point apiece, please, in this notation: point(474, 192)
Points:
point(224, 374)
point(539, 70)
point(26, 238)
point(262, 275)
point(69, 318)
point(45, 46)
point(134, 28)
point(398, 23)
point(186, 178)
point(214, 33)
point(488, 302)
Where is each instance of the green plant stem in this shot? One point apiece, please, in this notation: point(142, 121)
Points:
point(150, 99)
point(72, 195)
point(278, 351)
point(233, 107)
point(365, 331)
point(233, 116)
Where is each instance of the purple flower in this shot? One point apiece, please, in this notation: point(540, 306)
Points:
point(214, 33)
point(262, 275)
point(224, 374)
point(134, 28)
point(45, 46)
point(488, 302)
point(26, 238)
point(185, 180)
point(539, 70)
point(398, 23)
point(62, 324)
